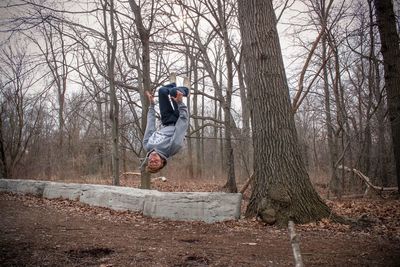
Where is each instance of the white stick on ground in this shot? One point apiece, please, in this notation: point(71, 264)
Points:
point(294, 240)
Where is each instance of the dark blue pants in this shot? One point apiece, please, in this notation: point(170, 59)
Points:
point(169, 113)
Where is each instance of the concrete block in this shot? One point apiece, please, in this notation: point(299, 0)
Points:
point(116, 198)
point(22, 186)
point(193, 206)
point(181, 206)
point(70, 191)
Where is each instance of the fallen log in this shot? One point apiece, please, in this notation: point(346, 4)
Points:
point(367, 181)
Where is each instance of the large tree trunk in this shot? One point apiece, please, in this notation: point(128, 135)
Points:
point(281, 189)
point(391, 60)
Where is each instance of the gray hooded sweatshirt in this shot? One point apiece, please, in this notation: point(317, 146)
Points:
point(168, 140)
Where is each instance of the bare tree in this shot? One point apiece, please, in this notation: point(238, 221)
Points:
point(52, 45)
point(144, 35)
point(95, 87)
point(339, 98)
point(221, 16)
point(281, 189)
point(111, 41)
point(20, 110)
point(375, 81)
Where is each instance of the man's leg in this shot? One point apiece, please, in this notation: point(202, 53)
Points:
point(183, 89)
point(169, 114)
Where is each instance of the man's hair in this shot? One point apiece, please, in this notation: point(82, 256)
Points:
point(152, 170)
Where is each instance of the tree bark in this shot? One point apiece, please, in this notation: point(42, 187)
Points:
point(230, 184)
point(391, 60)
point(332, 148)
point(114, 105)
point(3, 159)
point(144, 35)
point(281, 189)
point(375, 80)
point(189, 141)
point(198, 166)
point(340, 114)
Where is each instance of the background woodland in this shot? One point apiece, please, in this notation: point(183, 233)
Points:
point(73, 75)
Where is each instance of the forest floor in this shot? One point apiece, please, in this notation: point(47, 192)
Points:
point(41, 232)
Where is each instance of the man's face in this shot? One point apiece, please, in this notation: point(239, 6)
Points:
point(155, 161)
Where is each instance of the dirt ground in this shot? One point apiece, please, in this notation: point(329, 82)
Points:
point(41, 232)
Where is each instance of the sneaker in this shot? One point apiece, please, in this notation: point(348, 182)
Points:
point(186, 82)
point(172, 77)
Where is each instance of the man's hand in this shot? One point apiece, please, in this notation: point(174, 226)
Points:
point(178, 98)
point(150, 97)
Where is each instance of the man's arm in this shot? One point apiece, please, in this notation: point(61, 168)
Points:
point(151, 120)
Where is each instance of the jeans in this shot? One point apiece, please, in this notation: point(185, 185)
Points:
point(169, 113)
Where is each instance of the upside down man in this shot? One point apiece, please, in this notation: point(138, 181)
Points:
point(165, 142)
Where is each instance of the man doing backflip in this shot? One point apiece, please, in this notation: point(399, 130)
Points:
point(168, 140)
